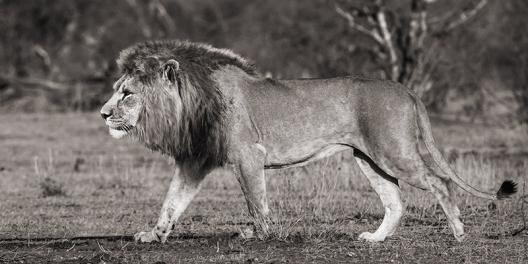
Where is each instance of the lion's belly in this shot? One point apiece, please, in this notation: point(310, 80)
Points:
point(303, 153)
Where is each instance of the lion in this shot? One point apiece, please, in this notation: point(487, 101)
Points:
point(209, 108)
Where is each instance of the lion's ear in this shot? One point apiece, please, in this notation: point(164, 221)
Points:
point(170, 69)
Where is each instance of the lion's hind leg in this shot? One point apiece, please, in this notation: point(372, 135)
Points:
point(443, 191)
point(388, 190)
point(420, 171)
point(442, 187)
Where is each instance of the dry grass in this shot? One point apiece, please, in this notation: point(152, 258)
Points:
point(77, 181)
point(48, 185)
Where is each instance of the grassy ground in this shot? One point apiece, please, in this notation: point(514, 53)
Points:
point(71, 194)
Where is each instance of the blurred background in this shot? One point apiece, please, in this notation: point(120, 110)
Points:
point(467, 59)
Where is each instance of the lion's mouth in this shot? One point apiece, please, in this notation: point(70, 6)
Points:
point(118, 129)
point(118, 125)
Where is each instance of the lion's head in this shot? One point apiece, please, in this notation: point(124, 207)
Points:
point(133, 95)
point(167, 99)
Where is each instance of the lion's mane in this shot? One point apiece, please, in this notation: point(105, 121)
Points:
point(186, 121)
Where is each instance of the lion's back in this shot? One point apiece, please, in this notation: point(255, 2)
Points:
point(317, 95)
point(309, 107)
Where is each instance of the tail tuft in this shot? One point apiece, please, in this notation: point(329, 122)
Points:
point(507, 188)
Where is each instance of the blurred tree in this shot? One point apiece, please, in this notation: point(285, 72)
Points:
point(405, 37)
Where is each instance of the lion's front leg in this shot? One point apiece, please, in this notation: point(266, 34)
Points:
point(183, 187)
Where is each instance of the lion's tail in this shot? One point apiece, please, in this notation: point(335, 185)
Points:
point(506, 189)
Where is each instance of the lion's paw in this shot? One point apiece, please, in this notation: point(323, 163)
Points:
point(147, 237)
point(247, 233)
point(371, 237)
point(460, 237)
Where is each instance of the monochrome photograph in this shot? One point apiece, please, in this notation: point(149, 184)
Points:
point(274, 131)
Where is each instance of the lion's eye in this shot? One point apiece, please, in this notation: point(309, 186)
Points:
point(126, 93)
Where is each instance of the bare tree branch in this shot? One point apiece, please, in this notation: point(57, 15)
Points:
point(411, 46)
point(373, 33)
point(465, 16)
point(44, 56)
point(401, 43)
point(377, 52)
point(441, 18)
point(418, 24)
point(388, 44)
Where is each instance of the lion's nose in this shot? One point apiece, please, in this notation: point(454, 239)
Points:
point(106, 114)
